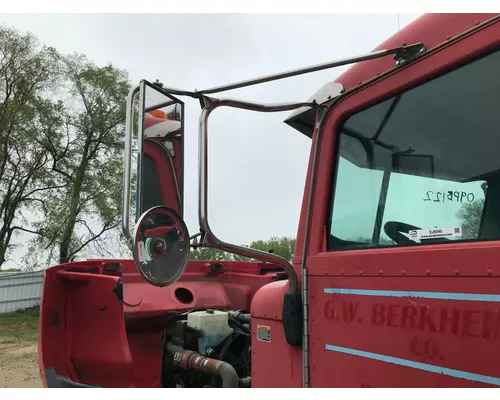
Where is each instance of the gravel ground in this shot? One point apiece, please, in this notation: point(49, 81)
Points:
point(19, 349)
point(19, 366)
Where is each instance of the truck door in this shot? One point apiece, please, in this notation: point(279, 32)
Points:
point(160, 169)
point(404, 255)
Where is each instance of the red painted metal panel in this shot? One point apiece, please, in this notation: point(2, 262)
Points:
point(429, 29)
point(274, 363)
point(385, 341)
point(459, 259)
point(91, 336)
point(455, 334)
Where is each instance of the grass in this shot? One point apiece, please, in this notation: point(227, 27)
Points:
point(20, 325)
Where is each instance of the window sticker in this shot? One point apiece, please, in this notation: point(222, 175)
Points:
point(435, 233)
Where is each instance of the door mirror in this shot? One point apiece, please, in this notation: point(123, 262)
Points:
point(161, 246)
point(160, 170)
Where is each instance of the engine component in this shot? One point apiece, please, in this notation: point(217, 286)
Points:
point(192, 361)
point(240, 316)
point(183, 336)
point(246, 382)
point(213, 326)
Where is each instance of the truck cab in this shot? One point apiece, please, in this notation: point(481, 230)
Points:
point(393, 280)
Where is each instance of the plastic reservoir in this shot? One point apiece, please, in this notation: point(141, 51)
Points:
point(213, 324)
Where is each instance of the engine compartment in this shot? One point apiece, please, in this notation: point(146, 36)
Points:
point(207, 349)
point(102, 325)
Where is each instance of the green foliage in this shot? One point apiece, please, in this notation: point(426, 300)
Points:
point(27, 73)
point(88, 163)
point(61, 151)
point(470, 215)
point(382, 241)
point(9, 270)
point(20, 325)
point(283, 246)
point(207, 253)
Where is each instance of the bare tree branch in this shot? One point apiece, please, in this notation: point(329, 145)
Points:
point(103, 230)
point(14, 228)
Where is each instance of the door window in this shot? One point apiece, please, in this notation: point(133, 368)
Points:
point(422, 167)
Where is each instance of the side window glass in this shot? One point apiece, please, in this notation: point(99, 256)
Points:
point(422, 167)
point(360, 185)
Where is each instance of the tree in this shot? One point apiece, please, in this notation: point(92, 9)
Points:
point(27, 73)
point(88, 162)
point(283, 246)
point(381, 242)
point(470, 215)
point(208, 253)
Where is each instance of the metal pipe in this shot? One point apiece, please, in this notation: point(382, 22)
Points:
point(209, 239)
point(203, 144)
point(127, 163)
point(160, 105)
point(140, 142)
point(288, 74)
point(305, 70)
point(168, 91)
point(414, 49)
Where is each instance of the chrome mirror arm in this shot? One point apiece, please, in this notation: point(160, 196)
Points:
point(208, 237)
point(127, 163)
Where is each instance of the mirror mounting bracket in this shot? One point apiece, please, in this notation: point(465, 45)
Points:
point(292, 302)
point(209, 238)
point(408, 53)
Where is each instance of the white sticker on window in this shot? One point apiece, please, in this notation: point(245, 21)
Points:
point(140, 248)
point(435, 233)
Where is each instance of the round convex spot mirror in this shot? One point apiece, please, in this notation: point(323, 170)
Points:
point(161, 246)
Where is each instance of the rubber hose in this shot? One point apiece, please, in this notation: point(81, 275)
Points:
point(228, 374)
point(205, 365)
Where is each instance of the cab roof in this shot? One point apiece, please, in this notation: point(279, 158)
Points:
point(429, 29)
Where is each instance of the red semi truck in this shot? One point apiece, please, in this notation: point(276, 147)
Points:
point(393, 282)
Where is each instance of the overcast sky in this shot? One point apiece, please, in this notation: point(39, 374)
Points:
point(257, 163)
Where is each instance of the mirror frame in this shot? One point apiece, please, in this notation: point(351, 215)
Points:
point(143, 86)
point(180, 224)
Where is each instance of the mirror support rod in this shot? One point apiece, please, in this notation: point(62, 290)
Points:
point(400, 53)
point(140, 141)
point(208, 237)
point(159, 105)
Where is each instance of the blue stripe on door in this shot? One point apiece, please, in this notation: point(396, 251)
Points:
point(424, 295)
point(417, 365)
